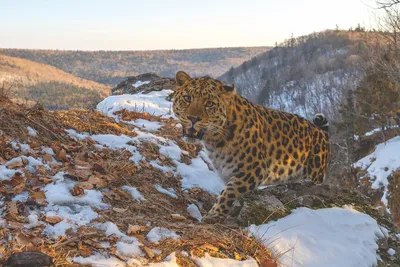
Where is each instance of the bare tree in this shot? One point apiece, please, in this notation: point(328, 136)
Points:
point(387, 3)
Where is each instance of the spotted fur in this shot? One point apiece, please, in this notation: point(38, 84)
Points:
point(248, 144)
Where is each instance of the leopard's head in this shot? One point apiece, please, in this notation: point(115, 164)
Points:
point(201, 105)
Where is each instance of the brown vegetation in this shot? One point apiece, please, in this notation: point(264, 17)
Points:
point(32, 82)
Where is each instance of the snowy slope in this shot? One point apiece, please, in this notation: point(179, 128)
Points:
point(381, 163)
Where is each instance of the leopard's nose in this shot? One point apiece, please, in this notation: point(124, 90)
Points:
point(193, 120)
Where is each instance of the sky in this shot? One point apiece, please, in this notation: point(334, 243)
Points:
point(170, 24)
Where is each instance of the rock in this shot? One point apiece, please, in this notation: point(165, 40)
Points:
point(29, 259)
point(258, 208)
point(134, 84)
point(274, 202)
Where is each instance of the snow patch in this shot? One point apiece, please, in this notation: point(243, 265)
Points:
point(153, 103)
point(31, 131)
point(151, 126)
point(194, 212)
point(381, 163)
point(158, 233)
point(73, 216)
point(322, 237)
point(99, 260)
point(59, 193)
point(169, 261)
point(136, 195)
point(129, 249)
point(391, 252)
point(169, 192)
point(20, 146)
point(197, 174)
point(208, 261)
point(6, 174)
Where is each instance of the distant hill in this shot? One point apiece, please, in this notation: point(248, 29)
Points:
point(34, 82)
point(111, 67)
point(304, 75)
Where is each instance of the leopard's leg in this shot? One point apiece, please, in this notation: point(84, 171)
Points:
point(238, 185)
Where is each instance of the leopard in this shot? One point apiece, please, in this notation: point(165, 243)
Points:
point(249, 145)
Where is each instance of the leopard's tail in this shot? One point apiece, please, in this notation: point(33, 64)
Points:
point(321, 122)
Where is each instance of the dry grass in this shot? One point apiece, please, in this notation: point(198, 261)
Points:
point(27, 72)
point(92, 122)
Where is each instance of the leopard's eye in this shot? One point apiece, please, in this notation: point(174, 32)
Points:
point(209, 104)
point(187, 98)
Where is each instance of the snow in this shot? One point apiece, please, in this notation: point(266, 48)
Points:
point(381, 163)
point(169, 261)
point(391, 252)
point(194, 212)
point(129, 249)
point(197, 174)
point(59, 193)
point(169, 192)
point(325, 237)
point(111, 229)
point(73, 216)
point(33, 220)
point(6, 174)
point(19, 146)
point(140, 83)
point(32, 163)
point(21, 197)
point(377, 130)
point(151, 126)
point(208, 261)
point(31, 131)
point(158, 233)
point(74, 211)
point(153, 103)
point(136, 195)
point(48, 150)
point(99, 260)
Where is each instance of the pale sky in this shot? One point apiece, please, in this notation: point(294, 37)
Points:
point(170, 24)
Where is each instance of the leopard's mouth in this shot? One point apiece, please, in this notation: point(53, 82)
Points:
point(193, 133)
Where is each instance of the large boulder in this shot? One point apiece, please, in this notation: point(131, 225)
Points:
point(143, 83)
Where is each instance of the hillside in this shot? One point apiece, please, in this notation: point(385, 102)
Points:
point(36, 82)
point(111, 67)
point(304, 75)
point(118, 187)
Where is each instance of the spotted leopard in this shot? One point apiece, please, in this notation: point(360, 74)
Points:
point(248, 144)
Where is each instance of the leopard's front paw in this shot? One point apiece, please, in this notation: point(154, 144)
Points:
point(213, 217)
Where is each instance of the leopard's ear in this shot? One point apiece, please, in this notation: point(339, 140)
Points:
point(181, 78)
point(229, 88)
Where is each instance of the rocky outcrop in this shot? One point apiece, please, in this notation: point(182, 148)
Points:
point(144, 83)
